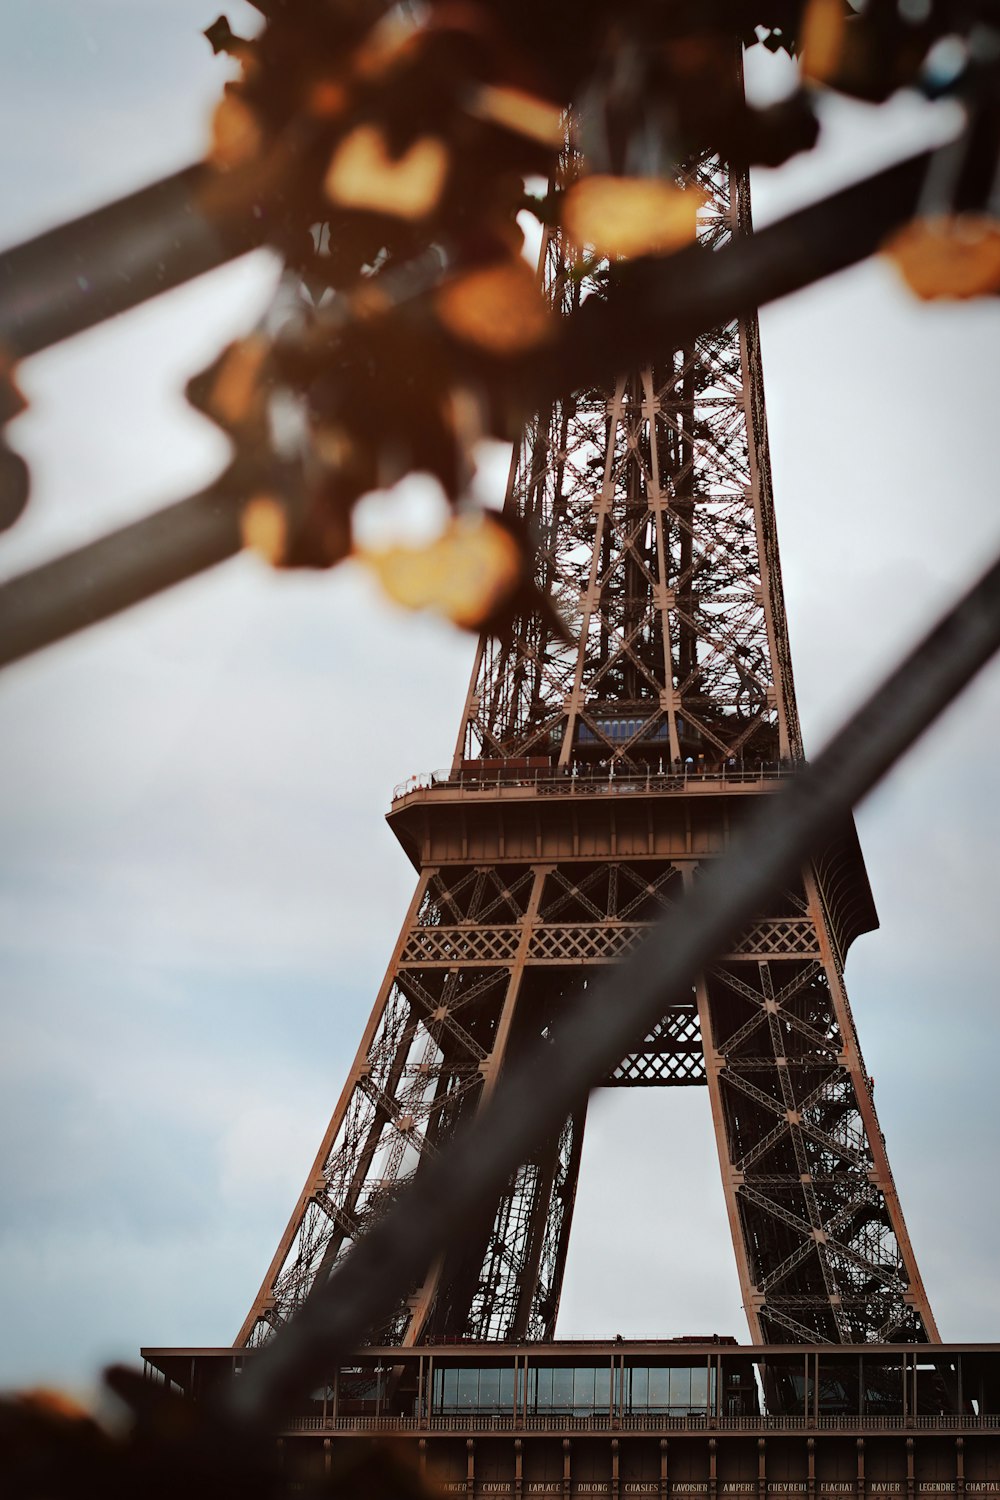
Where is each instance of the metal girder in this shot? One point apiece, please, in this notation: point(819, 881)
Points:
point(650, 500)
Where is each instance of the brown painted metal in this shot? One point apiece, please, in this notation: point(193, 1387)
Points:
point(590, 781)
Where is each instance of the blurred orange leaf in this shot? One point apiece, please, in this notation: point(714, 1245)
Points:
point(465, 574)
point(236, 134)
point(53, 1403)
point(392, 37)
point(524, 113)
point(362, 174)
point(948, 256)
point(236, 389)
point(499, 308)
point(264, 527)
point(823, 35)
point(628, 216)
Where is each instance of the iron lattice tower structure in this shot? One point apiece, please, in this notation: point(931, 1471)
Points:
point(590, 781)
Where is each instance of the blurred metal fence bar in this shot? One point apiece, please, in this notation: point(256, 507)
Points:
point(117, 257)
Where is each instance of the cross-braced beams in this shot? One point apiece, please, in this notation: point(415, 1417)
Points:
point(644, 498)
point(819, 1229)
point(650, 502)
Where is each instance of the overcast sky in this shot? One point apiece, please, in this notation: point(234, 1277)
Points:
point(198, 893)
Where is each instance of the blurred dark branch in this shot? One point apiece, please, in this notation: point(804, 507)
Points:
point(658, 304)
point(113, 259)
point(616, 1011)
point(117, 257)
point(654, 306)
point(96, 581)
point(120, 256)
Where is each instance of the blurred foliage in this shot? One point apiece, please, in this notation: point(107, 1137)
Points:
point(405, 141)
point(164, 1448)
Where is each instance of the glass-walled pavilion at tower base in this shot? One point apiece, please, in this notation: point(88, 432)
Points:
point(670, 1418)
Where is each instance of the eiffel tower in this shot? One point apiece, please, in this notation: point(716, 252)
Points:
point(592, 778)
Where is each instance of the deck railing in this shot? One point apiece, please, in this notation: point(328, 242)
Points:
point(482, 1422)
point(585, 782)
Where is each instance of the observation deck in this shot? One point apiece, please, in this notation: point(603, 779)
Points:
point(493, 813)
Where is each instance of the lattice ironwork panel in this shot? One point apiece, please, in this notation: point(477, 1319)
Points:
point(416, 1079)
point(518, 1285)
point(672, 1055)
point(648, 498)
point(815, 1201)
point(461, 945)
point(782, 937)
point(478, 894)
point(598, 943)
point(609, 890)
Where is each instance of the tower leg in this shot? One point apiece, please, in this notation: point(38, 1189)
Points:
point(821, 1246)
